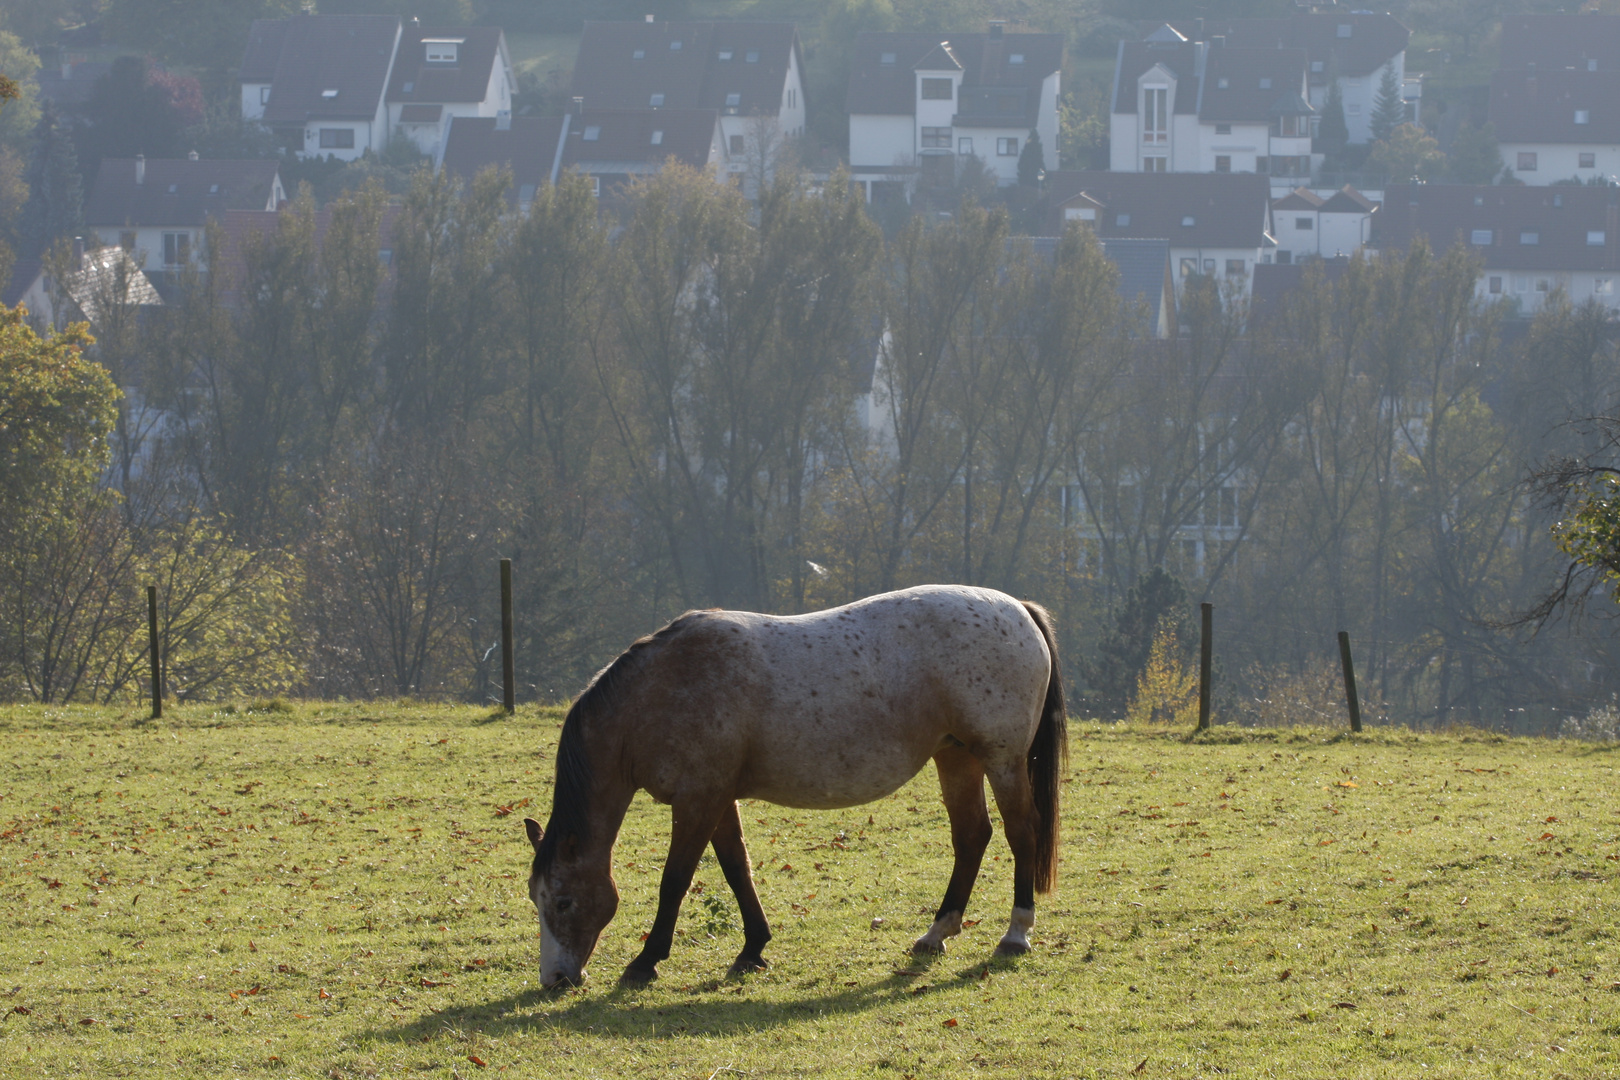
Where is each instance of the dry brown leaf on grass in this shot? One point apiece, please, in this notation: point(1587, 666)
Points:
point(1141, 1067)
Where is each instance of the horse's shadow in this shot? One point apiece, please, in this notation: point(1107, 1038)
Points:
point(726, 1007)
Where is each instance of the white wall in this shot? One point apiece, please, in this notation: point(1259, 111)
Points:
point(1529, 289)
point(1243, 145)
point(1342, 233)
point(881, 140)
point(1560, 161)
point(791, 115)
point(252, 100)
point(1361, 97)
point(1046, 120)
point(362, 138)
point(1243, 281)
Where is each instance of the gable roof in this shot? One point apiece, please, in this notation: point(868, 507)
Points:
point(467, 80)
point(1347, 200)
point(1227, 210)
point(695, 65)
point(1563, 221)
point(1301, 198)
point(98, 281)
point(177, 191)
point(1144, 269)
point(1540, 106)
point(612, 141)
point(1259, 84)
point(880, 86)
point(530, 147)
point(1372, 40)
point(307, 57)
point(1551, 42)
point(1182, 59)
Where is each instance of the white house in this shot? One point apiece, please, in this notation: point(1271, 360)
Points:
point(1555, 100)
point(1197, 106)
point(156, 208)
point(1531, 240)
point(920, 104)
point(613, 146)
point(447, 72)
point(320, 81)
point(749, 73)
point(1307, 225)
point(92, 280)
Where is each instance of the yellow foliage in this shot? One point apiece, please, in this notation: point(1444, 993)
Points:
point(1167, 689)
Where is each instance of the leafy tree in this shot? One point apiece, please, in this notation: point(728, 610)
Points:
point(1157, 604)
point(55, 191)
point(1334, 134)
point(1389, 110)
point(20, 114)
point(205, 37)
point(56, 411)
point(1475, 157)
point(1032, 161)
point(1408, 152)
point(135, 109)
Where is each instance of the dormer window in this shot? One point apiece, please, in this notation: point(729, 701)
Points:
point(751, 56)
point(1265, 84)
point(1188, 221)
point(658, 138)
point(886, 58)
point(1222, 83)
point(733, 100)
point(174, 189)
point(1583, 116)
point(675, 46)
point(213, 189)
point(409, 87)
point(329, 95)
point(1016, 58)
point(1122, 220)
point(441, 51)
point(1529, 237)
point(656, 101)
point(1316, 66)
point(593, 132)
point(1345, 29)
point(725, 54)
point(639, 54)
point(1591, 65)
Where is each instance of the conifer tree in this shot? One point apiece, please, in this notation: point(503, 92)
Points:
point(1334, 134)
point(1389, 111)
point(1032, 162)
point(55, 190)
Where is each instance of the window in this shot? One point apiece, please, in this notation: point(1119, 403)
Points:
point(593, 132)
point(1316, 66)
point(936, 89)
point(886, 58)
point(176, 248)
point(1223, 129)
point(1480, 238)
point(936, 138)
point(596, 187)
point(1284, 258)
point(1226, 507)
point(525, 194)
point(126, 239)
point(751, 56)
point(725, 54)
point(409, 86)
point(658, 138)
point(337, 138)
point(1543, 284)
point(1155, 164)
point(1293, 127)
point(1016, 58)
point(329, 95)
point(264, 95)
point(1209, 266)
point(1234, 266)
point(1122, 220)
point(1304, 224)
point(1286, 165)
point(1222, 83)
point(1583, 116)
point(1345, 29)
point(1521, 284)
point(964, 146)
point(1596, 237)
point(1529, 237)
point(1587, 160)
point(1265, 84)
point(733, 100)
point(1591, 65)
point(1262, 165)
point(1603, 286)
point(1188, 221)
point(641, 54)
point(385, 256)
point(656, 101)
point(1189, 267)
point(1527, 161)
point(1155, 114)
point(1496, 286)
point(1223, 163)
point(441, 52)
point(1006, 147)
point(675, 46)
point(736, 144)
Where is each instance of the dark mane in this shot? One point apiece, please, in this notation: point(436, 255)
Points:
point(571, 792)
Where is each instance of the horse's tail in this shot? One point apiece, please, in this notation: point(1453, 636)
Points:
point(1048, 759)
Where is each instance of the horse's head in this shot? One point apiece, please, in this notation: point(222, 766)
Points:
point(575, 898)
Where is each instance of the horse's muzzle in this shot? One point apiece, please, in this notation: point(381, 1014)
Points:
point(562, 980)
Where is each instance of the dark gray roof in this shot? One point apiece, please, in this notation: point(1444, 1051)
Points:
point(1259, 84)
point(1572, 228)
point(1226, 210)
point(177, 191)
point(1373, 39)
point(1540, 106)
point(318, 54)
point(1142, 268)
point(714, 60)
point(74, 90)
point(1183, 59)
point(880, 86)
point(1553, 42)
point(467, 80)
point(624, 137)
point(529, 148)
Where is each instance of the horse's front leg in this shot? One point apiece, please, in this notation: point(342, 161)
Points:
point(961, 785)
point(732, 853)
point(691, 826)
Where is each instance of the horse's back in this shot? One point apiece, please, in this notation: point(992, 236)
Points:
point(841, 707)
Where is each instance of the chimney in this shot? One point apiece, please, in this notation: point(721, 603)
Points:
point(649, 18)
point(140, 168)
point(579, 106)
point(503, 120)
point(192, 156)
point(78, 253)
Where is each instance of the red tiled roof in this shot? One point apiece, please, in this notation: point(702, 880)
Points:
point(466, 80)
point(177, 191)
point(694, 65)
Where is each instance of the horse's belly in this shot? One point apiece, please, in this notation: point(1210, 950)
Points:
point(831, 776)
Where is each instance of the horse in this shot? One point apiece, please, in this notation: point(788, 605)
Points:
point(819, 711)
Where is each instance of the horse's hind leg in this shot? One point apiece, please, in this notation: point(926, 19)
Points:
point(1021, 820)
point(691, 826)
point(732, 853)
point(961, 783)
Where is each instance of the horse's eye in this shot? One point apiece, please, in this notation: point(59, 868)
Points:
point(564, 904)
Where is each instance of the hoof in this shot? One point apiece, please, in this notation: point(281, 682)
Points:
point(638, 976)
point(923, 947)
point(1011, 948)
point(744, 965)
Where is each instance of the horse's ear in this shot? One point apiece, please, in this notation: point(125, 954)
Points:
point(532, 827)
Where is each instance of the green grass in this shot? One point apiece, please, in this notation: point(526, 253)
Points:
point(338, 891)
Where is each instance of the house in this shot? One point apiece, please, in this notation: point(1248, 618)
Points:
point(156, 209)
point(749, 72)
point(1352, 49)
point(1275, 284)
point(920, 104)
point(1146, 285)
point(444, 73)
point(1216, 224)
point(1308, 225)
point(530, 146)
point(1531, 240)
point(1207, 106)
point(1553, 100)
point(241, 230)
point(96, 280)
point(613, 146)
point(321, 81)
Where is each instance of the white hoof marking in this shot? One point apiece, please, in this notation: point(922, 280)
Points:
point(1017, 936)
point(947, 927)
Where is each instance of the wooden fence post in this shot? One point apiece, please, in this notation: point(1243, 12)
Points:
point(1350, 696)
point(508, 676)
point(157, 660)
point(1205, 649)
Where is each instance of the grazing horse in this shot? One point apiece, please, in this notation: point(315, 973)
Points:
point(818, 711)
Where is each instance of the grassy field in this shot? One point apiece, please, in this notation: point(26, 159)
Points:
point(338, 891)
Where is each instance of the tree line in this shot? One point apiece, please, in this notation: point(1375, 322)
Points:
point(699, 401)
